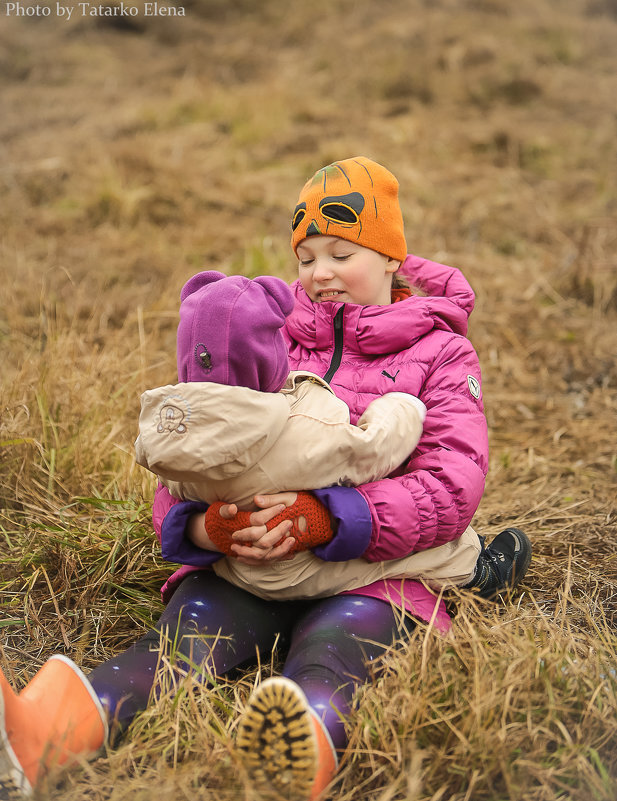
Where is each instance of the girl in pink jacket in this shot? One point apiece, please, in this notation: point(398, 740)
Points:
point(357, 324)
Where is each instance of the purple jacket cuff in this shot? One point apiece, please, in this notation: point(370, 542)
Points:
point(175, 545)
point(352, 514)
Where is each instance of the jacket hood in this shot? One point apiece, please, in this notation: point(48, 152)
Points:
point(448, 302)
point(230, 331)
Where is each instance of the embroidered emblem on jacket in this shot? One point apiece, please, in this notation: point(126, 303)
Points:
point(474, 386)
point(172, 417)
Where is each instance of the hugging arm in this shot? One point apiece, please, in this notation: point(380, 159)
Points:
point(313, 452)
point(433, 501)
point(180, 528)
point(172, 519)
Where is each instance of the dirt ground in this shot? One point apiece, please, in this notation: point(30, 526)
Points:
point(137, 150)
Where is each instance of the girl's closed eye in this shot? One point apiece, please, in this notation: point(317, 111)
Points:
point(342, 257)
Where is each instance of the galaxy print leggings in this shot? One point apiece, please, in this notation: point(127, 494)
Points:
point(216, 628)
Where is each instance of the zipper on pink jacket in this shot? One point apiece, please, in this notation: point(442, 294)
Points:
point(335, 361)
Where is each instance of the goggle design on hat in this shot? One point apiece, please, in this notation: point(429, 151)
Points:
point(339, 209)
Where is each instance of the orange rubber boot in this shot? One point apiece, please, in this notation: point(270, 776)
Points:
point(284, 744)
point(327, 760)
point(57, 716)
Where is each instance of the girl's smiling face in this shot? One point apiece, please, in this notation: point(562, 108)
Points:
point(333, 269)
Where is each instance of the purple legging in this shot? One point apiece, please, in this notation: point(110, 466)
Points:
point(329, 645)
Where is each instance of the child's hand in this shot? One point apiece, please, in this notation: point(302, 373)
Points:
point(251, 536)
point(273, 546)
point(255, 534)
point(287, 523)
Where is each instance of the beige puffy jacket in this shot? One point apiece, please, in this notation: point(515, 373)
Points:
point(211, 442)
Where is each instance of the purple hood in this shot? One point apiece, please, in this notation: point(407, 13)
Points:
point(230, 331)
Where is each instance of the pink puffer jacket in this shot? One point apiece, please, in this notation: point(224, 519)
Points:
point(417, 345)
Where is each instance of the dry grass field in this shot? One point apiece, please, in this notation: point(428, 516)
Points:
point(137, 151)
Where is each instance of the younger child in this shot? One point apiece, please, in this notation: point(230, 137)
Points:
point(239, 424)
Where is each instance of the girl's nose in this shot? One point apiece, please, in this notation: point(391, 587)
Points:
point(322, 271)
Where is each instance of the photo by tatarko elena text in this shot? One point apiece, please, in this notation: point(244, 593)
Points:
point(84, 9)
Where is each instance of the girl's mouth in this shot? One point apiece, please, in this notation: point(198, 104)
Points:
point(329, 294)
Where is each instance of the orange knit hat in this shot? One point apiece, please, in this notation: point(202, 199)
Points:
point(354, 199)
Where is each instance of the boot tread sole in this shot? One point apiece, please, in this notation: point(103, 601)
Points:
point(287, 761)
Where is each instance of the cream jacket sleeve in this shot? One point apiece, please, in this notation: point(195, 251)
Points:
point(325, 452)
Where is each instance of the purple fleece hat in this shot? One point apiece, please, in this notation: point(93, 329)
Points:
point(230, 330)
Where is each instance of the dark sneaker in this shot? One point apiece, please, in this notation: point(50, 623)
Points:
point(502, 564)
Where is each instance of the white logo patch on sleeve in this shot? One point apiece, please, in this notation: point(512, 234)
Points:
point(474, 386)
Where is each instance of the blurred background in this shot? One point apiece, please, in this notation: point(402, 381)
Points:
point(138, 150)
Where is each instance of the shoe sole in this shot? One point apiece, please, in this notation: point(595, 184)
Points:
point(13, 783)
point(277, 739)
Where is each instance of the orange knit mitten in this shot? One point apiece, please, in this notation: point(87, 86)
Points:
point(318, 525)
